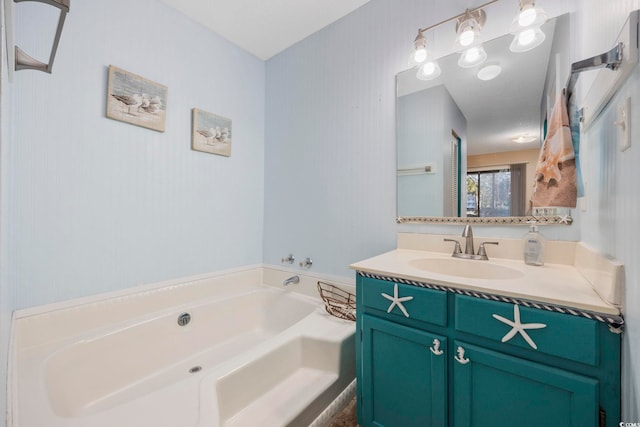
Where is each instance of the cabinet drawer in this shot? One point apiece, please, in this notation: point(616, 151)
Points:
point(426, 305)
point(556, 334)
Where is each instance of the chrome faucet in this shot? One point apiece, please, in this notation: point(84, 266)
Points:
point(293, 280)
point(469, 252)
point(467, 233)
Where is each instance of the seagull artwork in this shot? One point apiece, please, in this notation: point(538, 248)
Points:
point(129, 101)
point(397, 301)
point(224, 136)
point(517, 327)
point(206, 133)
point(154, 105)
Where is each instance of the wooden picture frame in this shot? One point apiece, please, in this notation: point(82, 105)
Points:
point(136, 100)
point(211, 133)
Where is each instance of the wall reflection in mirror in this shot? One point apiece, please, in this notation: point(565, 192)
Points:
point(468, 141)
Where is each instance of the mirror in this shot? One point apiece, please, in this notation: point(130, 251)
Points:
point(455, 134)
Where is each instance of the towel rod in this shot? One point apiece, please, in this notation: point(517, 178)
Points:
point(416, 170)
point(617, 65)
point(23, 61)
point(611, 60)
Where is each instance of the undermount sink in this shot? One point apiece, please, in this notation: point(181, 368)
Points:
point(471, 269)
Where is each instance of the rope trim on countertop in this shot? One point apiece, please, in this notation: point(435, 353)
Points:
point(615, 322)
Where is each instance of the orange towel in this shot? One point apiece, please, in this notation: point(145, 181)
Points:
point(555, 183)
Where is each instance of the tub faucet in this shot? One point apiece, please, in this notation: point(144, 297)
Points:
point(293, 280)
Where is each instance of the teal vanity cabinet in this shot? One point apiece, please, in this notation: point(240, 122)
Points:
point(436, 357)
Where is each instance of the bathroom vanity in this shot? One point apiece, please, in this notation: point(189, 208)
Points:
point(513, 346)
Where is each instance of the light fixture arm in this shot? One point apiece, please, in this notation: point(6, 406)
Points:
point(25, 61)
point(470, 11)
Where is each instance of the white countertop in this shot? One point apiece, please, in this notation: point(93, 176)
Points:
point(558, 284)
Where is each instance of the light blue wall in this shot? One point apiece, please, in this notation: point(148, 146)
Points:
point(424, 134)
point(97, 204)
point(419, 132)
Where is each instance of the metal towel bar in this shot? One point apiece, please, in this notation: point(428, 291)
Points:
point(619, 62)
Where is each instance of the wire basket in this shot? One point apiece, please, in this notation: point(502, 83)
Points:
point(338, 302)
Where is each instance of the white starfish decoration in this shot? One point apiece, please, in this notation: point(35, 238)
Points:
point(565, 219)
point(397, 301)
point(518, 327)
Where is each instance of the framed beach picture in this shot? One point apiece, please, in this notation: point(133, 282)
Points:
point(211, 133)
point(136, 100)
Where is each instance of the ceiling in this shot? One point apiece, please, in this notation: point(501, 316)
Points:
point(265, 27)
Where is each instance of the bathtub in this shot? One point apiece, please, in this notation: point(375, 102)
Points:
point(249, 355)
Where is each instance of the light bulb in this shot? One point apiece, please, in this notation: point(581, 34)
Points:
point(472, 57)
point(526, 37)
point(428, 71)
point(420, 55)
point(527, 16)
point(527, 40)
point(467, 37)
point(428, 68)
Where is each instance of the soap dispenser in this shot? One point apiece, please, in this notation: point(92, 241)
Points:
point(533, 246)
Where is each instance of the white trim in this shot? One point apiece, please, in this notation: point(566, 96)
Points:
point(9, 36)
point(136, 289)
point(11, 410)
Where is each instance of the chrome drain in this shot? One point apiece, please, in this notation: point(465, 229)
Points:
point(195, 369)
point(184, 319)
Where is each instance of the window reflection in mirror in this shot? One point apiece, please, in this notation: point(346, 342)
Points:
point(495, 192)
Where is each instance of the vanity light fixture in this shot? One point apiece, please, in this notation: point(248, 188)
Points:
point(419, 52)
point(526, 27)
point(468, 42)
point(468, 28)
point(428, 68)
point(529, 15)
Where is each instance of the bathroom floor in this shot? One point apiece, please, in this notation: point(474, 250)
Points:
point(346, 418)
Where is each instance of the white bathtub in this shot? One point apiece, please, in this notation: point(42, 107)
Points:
point(250, 356)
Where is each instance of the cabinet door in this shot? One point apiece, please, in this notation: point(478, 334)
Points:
point(404, 376)
point(492, 389)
